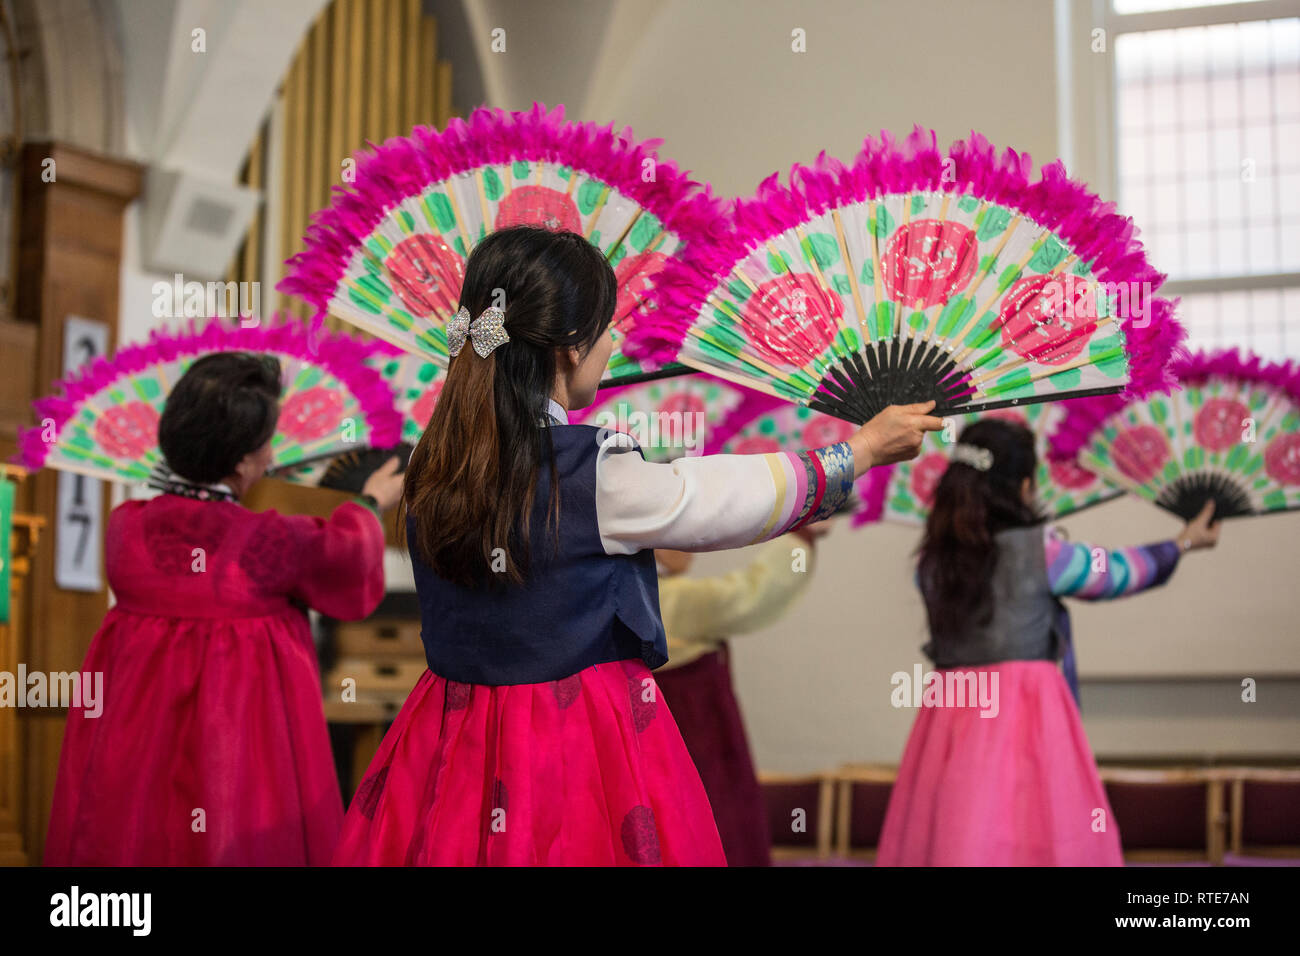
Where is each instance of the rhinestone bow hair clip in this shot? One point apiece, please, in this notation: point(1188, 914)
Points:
point(485, 333)
point(981, 459)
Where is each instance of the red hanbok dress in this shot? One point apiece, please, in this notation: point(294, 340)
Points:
point(211, 748)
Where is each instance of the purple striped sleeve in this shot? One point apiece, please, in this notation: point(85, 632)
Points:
point(1078, 570)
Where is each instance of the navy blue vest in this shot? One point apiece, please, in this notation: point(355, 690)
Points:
point(579, 606)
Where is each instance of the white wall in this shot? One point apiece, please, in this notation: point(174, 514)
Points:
point(718, 82)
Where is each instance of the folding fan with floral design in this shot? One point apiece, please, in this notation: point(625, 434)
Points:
point(669, 418)
point(905, 492)
point(103, 420)
point(912, 274)
point(416, 384)
point(388, 254)
point(1231, 432)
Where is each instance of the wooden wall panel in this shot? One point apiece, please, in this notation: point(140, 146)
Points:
point(70, 234)
point(365, 71)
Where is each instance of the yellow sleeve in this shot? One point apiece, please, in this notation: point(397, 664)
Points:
point(713, 609)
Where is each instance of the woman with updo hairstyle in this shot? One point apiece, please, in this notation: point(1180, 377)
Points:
point(538, 735)
point(207, 744)
point(997, 770)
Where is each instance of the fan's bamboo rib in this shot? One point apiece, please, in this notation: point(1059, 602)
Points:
point(733, 377)
point(1273, 405)
point(816, 361)
point(1180, 446)
point(455, 212)
point(595, 213)
point(103, 474)
point(1002, 369)
point(829, 292)
point(627, 229)
point(1099, 322)
point(929, 288)
point(1089, 459)
point(876, 279)
point(510, 177)
point(482, 198)
point(975, 316)
point(853, 278)
point(814, 358)
point(1032, 251)
point(983, 274)
point(752, 360)
point(573, 184)
point(382, 331)
point(899, 324)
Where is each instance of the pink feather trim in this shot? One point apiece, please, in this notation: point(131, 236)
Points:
point(406, 166)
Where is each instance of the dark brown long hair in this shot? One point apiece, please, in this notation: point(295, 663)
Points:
point(958, 552)
point(472, 478)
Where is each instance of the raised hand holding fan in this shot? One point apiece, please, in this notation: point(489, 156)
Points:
point(103, 420)
point(388, 254)
point(1231, 433)
point(913, 275)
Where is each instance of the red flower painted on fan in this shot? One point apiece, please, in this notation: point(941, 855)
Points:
point(755, 445)
point(677, 415)
point(1219, 425)
point(825, 430)
point(127, 431)
point(926, 474)
point(1069, 475)
point(539, 206)
point(1282, 459)
point(634, 274)
point(311, 414)
point(427, 274)
point(1042, 316)
point(422, 409)
point(791, 318)
point(1140, 452)
point(928, 261)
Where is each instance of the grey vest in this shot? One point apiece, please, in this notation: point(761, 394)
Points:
point(1024, 622)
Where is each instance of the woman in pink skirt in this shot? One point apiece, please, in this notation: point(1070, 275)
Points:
point(1008, 779)
point(211, 748)
point(538, 736)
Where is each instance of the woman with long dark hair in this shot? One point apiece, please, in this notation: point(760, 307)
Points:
point(209, 747)
point(537, 736)
point(997, 770)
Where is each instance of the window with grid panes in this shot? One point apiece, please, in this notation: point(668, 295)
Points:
point(1206, 116)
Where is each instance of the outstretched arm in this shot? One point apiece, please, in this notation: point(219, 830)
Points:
point(728, 501)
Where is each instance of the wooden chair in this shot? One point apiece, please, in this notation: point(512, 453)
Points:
point(862, 797)
point(1265, 812)
point(1174, 815)
point(786, 794)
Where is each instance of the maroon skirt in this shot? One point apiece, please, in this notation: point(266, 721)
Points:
point(702, 700)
